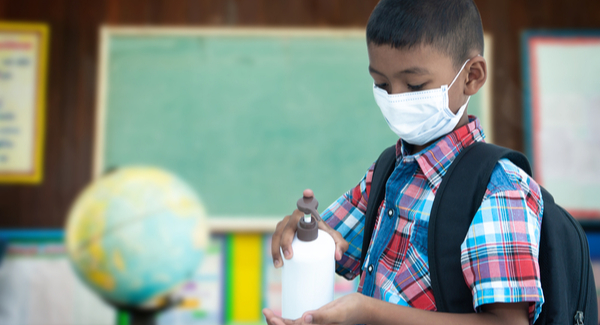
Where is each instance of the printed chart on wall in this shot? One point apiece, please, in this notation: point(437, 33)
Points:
point(562, 110)
point(23, 56)
point(39, 286)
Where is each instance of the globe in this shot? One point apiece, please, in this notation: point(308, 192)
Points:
point(136, 234)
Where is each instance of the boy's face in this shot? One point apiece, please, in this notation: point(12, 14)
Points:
point(418, 68)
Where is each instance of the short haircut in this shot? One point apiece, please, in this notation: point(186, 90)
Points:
point(451, 26)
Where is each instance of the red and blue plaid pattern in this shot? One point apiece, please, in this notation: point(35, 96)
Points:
point(500, 252)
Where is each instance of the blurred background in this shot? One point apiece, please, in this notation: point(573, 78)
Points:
point(73, 66)
point(203, 121)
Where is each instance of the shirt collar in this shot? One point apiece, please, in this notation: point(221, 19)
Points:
point(436, 158)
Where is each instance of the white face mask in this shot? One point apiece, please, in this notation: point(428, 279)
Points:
point(421, 116)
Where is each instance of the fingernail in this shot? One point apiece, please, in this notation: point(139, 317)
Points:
point(308, 319)
point(286, 253)
point(276, 263)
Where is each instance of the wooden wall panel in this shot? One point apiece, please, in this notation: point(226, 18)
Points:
point(73, 56)
point(38, 206)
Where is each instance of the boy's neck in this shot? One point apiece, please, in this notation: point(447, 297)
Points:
point(415, 149)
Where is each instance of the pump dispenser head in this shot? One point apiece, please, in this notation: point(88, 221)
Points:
point(308, 230)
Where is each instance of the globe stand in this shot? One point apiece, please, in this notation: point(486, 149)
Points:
point(127, 316)
point(134, 315)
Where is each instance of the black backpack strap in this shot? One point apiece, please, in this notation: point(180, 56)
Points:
point(384, 166)
point(457, 200)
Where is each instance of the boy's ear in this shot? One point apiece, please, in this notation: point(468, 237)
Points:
point(477, 75)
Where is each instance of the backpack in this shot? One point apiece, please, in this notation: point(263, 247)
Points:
point(564, 259)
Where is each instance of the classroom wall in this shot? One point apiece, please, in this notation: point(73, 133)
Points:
point(73, 57)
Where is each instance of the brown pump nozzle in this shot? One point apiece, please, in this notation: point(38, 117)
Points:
point(308, 231)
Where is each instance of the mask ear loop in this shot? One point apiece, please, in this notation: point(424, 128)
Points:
point(459, 71)
point(456, 77)
point(458, 74)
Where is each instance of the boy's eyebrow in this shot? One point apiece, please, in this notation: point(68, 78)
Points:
point(414, 70)
point(374, 71)
point(411, 70)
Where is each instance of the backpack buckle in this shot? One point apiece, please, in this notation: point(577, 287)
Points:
point(579, 318)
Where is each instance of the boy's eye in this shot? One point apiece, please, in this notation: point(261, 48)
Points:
point(381, 85)
point(415, 87)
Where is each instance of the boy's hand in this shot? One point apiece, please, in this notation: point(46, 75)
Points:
point(347, 310)
point(359, 309)
point(286, 229)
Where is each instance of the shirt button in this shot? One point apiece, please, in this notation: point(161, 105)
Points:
point(370, 268)
point(390, 213)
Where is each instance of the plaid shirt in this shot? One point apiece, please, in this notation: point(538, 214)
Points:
point(499, 254)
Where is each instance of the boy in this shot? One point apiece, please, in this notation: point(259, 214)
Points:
point(416, 48)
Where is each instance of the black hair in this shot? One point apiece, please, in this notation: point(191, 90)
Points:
point(451, 26)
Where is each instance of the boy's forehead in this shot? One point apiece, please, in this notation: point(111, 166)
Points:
point(421, 59)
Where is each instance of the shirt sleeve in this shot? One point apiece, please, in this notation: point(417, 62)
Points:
point(500, 253)
point(347, 216)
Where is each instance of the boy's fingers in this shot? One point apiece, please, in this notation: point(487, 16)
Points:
point(284, 235)
point(341, 245)
point(276, 320)
point(288, 234)
point(268, 314)
point(276, 241)
point(271, 318)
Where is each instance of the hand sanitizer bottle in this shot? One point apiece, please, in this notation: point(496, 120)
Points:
point(308, 277)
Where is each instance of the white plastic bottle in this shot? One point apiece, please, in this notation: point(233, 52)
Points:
point(308, 277)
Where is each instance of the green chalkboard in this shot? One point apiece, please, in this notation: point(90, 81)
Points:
point(249, 119)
